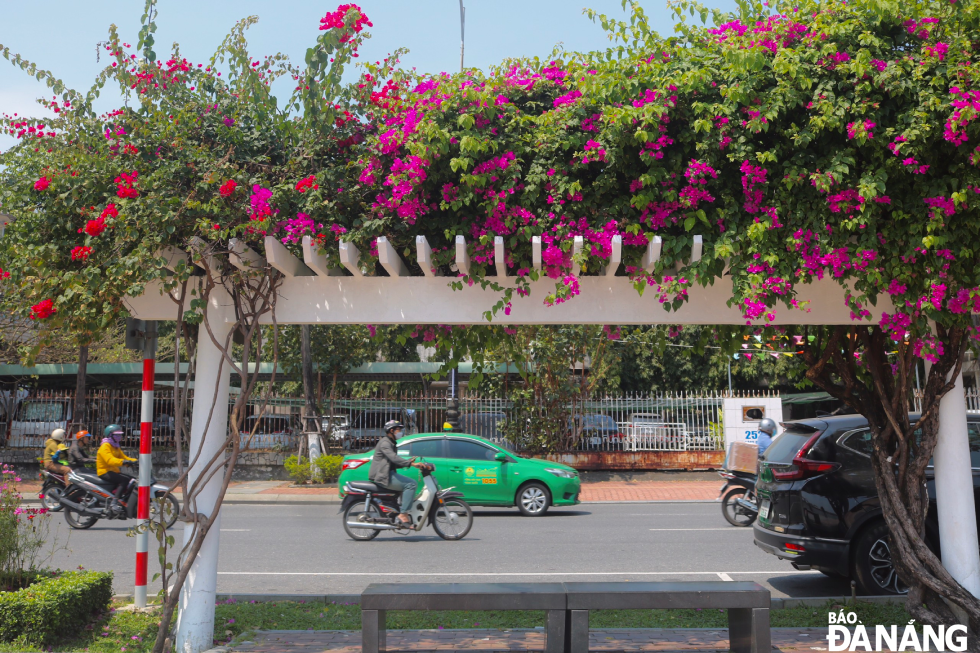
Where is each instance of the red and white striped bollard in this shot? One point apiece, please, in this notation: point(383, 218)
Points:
point(146, 463)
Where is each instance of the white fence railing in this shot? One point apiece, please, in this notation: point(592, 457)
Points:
point(628, 422)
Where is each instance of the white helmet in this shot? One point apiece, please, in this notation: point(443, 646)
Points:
point(58, 434)
point(768, 426)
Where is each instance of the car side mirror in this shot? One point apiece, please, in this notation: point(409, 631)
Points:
point(501, 456)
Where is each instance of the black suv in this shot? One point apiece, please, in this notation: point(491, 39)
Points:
point(818, 505)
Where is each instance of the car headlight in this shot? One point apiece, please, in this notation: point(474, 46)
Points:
point(562, 473)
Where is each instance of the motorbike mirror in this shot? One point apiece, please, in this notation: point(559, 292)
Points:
point(501, 456)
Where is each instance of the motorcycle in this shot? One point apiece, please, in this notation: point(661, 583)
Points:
point(369, 509)
point(51, 490)
point(739, 504)
point(86, 500)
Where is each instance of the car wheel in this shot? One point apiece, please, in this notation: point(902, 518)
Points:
point(533, 500)
point(873, 569)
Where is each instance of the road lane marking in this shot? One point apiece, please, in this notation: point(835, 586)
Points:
point(523, 573)
point(726, 528)
point(722, 575)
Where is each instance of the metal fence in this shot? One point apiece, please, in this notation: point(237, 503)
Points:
point(632, 422)
point(972, 400)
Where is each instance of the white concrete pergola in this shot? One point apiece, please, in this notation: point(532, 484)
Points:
point(314, 293)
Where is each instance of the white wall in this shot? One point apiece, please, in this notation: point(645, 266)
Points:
point(738, 429)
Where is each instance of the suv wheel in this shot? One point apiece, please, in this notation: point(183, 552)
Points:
point(873, 568)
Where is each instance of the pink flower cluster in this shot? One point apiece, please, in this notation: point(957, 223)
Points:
point(593, 152)
point(920, 28)
point(860, 128)
point(336, 20)
point(940, 204)
point(955, 131)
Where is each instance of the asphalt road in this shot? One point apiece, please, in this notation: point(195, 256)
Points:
point(303, 549)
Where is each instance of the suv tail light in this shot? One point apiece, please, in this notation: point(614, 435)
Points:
point(802, 468)
point(351, 464)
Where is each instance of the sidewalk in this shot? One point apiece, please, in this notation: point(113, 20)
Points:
point(802, 640)
point(603, 491)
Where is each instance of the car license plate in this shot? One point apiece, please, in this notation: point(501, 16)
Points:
point(764, 509)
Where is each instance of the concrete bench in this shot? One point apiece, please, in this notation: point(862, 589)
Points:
point(379, 598)
point(747, 604)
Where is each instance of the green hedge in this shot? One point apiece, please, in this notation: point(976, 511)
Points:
point(54, 609)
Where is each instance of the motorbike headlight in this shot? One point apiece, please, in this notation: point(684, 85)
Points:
point(562, 473)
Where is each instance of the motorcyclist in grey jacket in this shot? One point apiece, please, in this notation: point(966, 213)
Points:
point(384, 464)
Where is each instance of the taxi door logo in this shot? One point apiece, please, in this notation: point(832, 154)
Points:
point(469, 471)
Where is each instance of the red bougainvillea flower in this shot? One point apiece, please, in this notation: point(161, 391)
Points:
point(43, 310)
point(306, 184)
point(42, 184)
point(126, 185)
point(95, 227)
point(110, 211)
point(228, 188)
point(80, 253)
point(3, 275)
point(335, 20)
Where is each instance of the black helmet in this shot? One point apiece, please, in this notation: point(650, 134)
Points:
point(393, 424)
point(767, 426)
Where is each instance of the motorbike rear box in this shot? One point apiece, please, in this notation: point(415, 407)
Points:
point(742, 457)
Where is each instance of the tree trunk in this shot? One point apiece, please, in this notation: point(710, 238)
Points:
point(309, 385)
point(853, 365)
point(78, 410)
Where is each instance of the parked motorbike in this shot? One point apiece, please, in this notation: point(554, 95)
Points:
point(51, 490)
point(86, 500)
point(739, 504)
point(369, 509)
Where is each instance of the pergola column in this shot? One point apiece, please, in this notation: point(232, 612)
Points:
point(195, 620)
point(954, 491)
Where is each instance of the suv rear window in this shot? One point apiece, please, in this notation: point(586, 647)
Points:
point(785, 446)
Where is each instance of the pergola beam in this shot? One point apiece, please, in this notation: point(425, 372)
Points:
point(283, 260)
point(462, 255)
point(315, 260)
point(173, 257)
point(389, 258)
point(616, 258)
point(244, 257)
point(350, 258)
point(499, 256)
point(578, 244)
point(652, 255)
point(431, 300)
point(424, 253)
point(536, 252)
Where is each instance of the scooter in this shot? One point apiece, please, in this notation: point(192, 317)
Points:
point(369, 509)
point(87, 499)
point(739, 505)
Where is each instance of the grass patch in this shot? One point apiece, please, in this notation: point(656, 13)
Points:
point(124, 632)
point(233, 619)
point(113, 632)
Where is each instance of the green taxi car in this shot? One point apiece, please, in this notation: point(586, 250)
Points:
point(486, 474)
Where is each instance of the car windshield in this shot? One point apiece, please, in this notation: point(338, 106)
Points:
point(41, 411)
point(376, 419)
point(268, 425)
point(598, 421)
point(785, 446)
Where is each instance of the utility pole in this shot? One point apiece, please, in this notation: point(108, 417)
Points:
point(462, 33)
